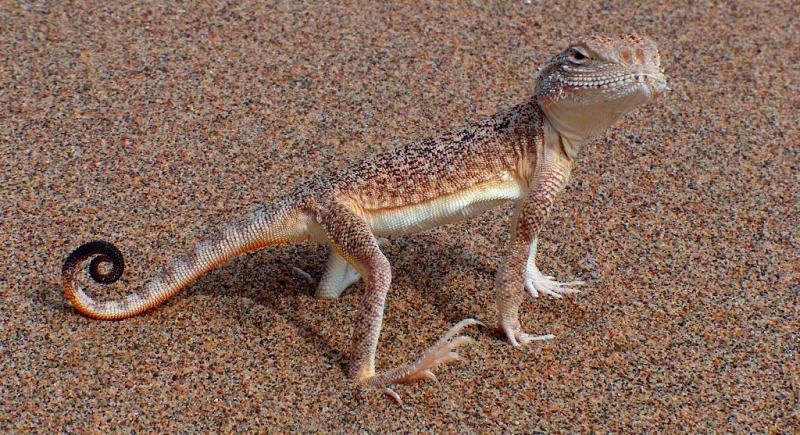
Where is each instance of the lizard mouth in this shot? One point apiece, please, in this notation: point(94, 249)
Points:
point(652, 85)
point(642, 84)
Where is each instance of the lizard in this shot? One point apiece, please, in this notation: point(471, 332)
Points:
point(523, 154)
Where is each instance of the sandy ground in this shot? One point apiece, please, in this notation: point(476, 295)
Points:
point(152, 125)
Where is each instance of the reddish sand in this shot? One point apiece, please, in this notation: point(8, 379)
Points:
point(152, 125)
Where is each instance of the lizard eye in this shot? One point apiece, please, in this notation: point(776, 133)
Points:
point(578, 57)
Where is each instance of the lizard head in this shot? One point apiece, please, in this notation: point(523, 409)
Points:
point(594, 82)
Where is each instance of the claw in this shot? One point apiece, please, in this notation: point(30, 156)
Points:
point(425, 375)
point(304, 274)
point(428, 375)
point(512, 336)
point(391, 393)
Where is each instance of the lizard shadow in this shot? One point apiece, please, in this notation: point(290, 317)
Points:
point(473, 299)
point(434, 285)
point(51, 297)
point(266, 278)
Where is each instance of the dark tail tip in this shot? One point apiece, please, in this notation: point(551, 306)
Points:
point(103, 252)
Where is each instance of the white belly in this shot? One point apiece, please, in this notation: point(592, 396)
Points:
point(443, 210)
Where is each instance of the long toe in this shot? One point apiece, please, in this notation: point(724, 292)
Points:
point(440, 353)
point(421, 369)
point(525, 338)
point(552, 288)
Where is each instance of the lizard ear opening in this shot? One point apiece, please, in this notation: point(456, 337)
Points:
point(538, 74)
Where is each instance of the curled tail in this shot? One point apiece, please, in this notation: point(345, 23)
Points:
point(260, 229)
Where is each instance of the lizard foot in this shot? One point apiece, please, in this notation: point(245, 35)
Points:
point(537, 283)
point(442, 352)
point(310, 279)
point(519, 338)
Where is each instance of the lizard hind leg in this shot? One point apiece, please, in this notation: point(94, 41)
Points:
point(339, 275)
point(350, 236)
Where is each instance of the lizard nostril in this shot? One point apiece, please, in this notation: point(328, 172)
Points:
point(626, 55)
point(640, 55)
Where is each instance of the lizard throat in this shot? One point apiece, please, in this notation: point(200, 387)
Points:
point(579, 121)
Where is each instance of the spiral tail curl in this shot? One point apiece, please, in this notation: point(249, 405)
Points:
point(260, 229)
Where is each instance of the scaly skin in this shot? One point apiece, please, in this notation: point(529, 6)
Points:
point(523, 154)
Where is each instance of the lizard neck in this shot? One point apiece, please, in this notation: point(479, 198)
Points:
point(566, 141)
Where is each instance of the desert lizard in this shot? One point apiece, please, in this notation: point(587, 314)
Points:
point(523, 154)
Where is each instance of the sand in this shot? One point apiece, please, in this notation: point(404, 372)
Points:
point(152, 125)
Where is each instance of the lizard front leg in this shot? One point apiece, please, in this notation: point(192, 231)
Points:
point(350, 237)
point(519, 266)
point(536, 282)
